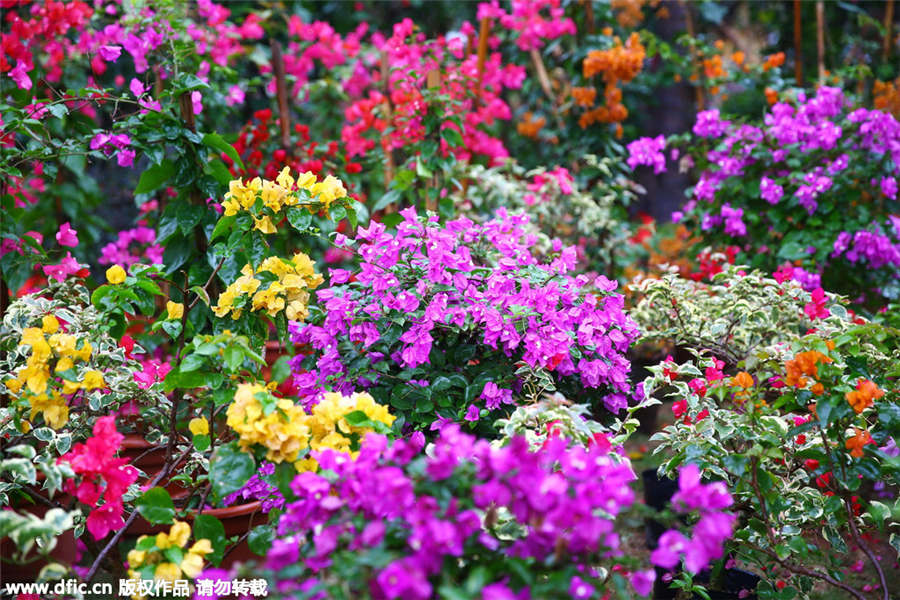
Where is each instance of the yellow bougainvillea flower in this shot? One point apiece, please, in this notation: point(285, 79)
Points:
point(283, 431)
point(199, 426)
point(167, 572)
point(136, 557)
point(115, 274)
point(175, 310)
point(93, 380)
point(49, 324)
point(202, 546)
point(306, 180)
point(192, 564)
point(179, 533)
point(329, 190)
point(52, 407)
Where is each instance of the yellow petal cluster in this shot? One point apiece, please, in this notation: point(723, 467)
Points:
point(283, 431)
point(289, 293)
point(278, 194)
point(52, 352)
point(328, 421)
point(191, 563)
point(289, 430)
point(174, 310)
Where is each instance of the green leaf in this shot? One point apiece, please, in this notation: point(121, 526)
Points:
point(222, 227)
point(214, 140)
point(452, 137)
point(174, 554)
point(389, 198)
point(358, 418)
point(156, 506)
point(191, 362)
point(299, 218)
point(201, 442)
point(260, 539)
point(281, 370)
point(154, 177)
point(210, 528)
point(230, 469)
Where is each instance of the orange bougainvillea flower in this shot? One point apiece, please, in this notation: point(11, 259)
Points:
point(738, 58)
point(773, 61)
point(584, 96)
point(818, 389)
point(771, 96)
point(855, 444)
point(804, 363)
point(742, 379)
point(529, 127)
point(864, 395)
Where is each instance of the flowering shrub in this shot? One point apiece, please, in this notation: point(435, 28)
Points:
point(390, 519)
point(733, 315)
point(801, 436)
point(806, 161)
point(469, 301)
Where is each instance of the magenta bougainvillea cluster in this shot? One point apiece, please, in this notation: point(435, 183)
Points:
point(556, 508)
point(451, 304)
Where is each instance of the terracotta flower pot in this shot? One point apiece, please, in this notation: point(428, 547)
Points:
point(150, 459)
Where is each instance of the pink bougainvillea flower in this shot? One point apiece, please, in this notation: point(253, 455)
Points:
point(93, 460)
point(110, 52)
point(66, 236)
point(816, 307)
point(137, 88)
point(197, 102)
point(125, 158)
point(153, 371)
point(67, 266)
point(20, 75)
point(235, 96)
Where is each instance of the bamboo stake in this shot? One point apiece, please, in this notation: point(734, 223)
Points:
point(541, 71)
point(689, 23)
point(798, 43)
point(888, 33)
point(820, 38)
point(388, 153)
point(483, 35)
point(284, 115)
point(589, 15)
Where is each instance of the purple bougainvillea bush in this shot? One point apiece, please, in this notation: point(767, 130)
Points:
point(451, 322)
point(468, 519)
point(813, 185)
